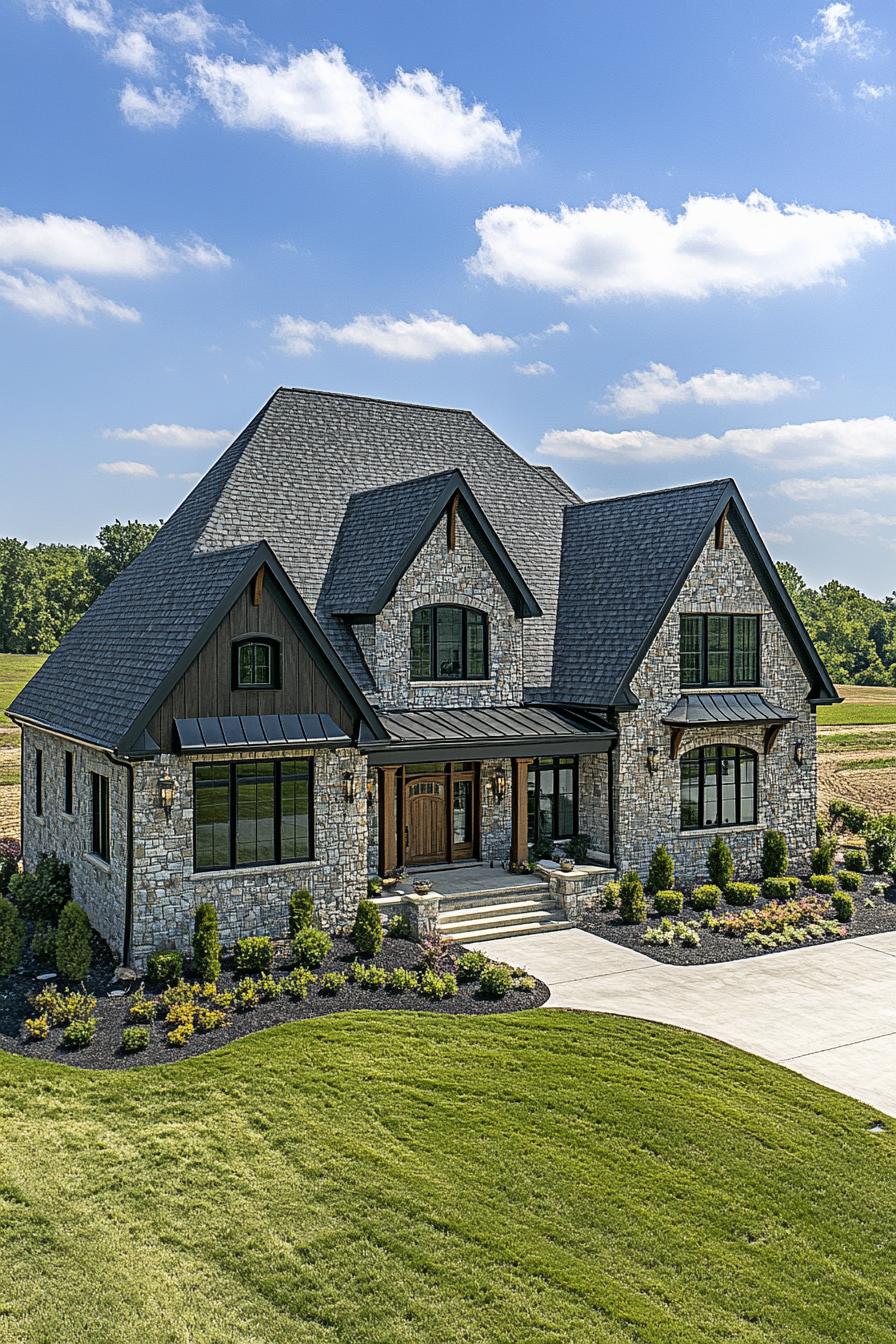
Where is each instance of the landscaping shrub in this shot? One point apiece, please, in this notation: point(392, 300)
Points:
point(742, 893)
point(843, 905)
point(374, 887)
point(821, 860)
point(37, 1028)
point(298, 982)
point(10, 853)
point(719, 863)
point(73, 943)
point(209, 1019)
point(706, 897)
point(251, 956)
point(179, 1035)
point(367, 931)
point(688, 935)
point(774, 917)
point(164, 968)
point(609, 895)
point(577, 848)
point(522, 980)
point(43, 943)
point(661, 874)
point(12, 936)
point(470, 966)
point(668, 902)
point(42, 893)
point(402, 981)
point(134, 1039)
point(880, 838)
point(780, 888)
point(206, 944)
point(141, 1008)
point(399, 926)
point(847, 816)
point(301, 911)
point(435, 953)
point(775, 856)
point(661, 936)
point(632, 905)
point(855, 860)
point(331, 983)
point(435, 986)
point(825, 884)
point(269, 988)
point(79, 1033)
point(496, 979)
point(848, 880)
point(310, 946)
point(368, 977)
point(246, 994)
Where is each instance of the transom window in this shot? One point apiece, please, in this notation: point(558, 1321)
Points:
point(718, 788)
point(248, 813)
point(553, 798)
point(256, 664)
point(449, 644)
point(719, 650)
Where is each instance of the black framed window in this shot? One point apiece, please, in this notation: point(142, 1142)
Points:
point(99, 816)
point(256, 665)
point(719, 650)
point(449, 643)
point(38, 783)
point(68, 804)
point(718, 788)
point(553, 788)
point(252, 813)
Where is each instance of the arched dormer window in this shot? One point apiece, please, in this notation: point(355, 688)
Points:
point(718, 788)
point(256, 664)
point(449, 644)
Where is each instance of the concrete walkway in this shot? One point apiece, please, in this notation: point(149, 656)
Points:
point(826, 1011)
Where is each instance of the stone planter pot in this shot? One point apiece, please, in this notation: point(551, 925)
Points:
point(566, 865)
point(422, 888)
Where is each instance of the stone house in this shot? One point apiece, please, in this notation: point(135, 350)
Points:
point(374, 638)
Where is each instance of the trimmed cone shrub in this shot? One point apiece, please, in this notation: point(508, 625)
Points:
point(741, 893)
point(310, 947)
point(632, 905)
point(821, 860)
point(12, 936)
point(719, 863)
point(843, 906)
point(855, 860)
point(251, 956)
point(775, 856)
point(661, 874)
point(825, 884)
point(849, 881)
point(367, 933)
point(301, 911)
point(165, 968)
point(73, 950)
point(668, 902)
point(206, 944)
point(705, 897)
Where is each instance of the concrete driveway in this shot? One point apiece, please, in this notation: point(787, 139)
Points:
point(826, 1011)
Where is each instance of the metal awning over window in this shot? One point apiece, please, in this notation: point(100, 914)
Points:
point(711, 711)
point(241, 732)
point(487, 734)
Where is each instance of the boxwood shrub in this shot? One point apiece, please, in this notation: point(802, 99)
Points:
point(855, 860)
point(843, 905)
point(668, 902)
point(849, 880)
point(496, 979)
point(632, 905)
point(134, 1039)
point(310, 947)
point(367, 931)
point(73, 943)
point(742, 893)
point(661, 874)
point(251, 956)
point(706, 897)
point(719, 863)
point(165, 968)
point(825, 884)
point(780, 888)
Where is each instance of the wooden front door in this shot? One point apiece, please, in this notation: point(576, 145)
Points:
point(426, 820)
point(440, 821)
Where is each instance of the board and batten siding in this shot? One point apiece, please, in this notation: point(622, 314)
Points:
point(206, 688)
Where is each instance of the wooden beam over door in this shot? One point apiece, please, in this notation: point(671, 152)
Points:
point(519, 810)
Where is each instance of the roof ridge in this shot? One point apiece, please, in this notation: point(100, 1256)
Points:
point(408, 481)
point(380, 401)
point(649, 494)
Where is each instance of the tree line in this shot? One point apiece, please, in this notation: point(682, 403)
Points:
point(46, 588)
point(855, 634)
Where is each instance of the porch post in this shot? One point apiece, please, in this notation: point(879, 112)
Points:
point(519, 810)
point(388, 827)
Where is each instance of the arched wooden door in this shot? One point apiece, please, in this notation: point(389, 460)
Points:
point(426, 820)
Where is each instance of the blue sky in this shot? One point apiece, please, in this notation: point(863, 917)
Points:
point(646, 243)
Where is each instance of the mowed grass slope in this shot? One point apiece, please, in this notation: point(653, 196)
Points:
point(15, 670)
point(861, 705)
point(384, 1178)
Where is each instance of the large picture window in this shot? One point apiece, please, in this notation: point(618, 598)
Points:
point(449, 644)
point(553, 798)
point(250, 813)
point(718, 788)
point(719, 650)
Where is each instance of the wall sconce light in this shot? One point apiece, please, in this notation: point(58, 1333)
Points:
point(653, 759)
point(348, 786)
point(167, 790)
point(799, 753)
point(499, 784)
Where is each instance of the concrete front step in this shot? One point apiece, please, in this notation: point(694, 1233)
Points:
point(510, 930)
point(493, 910)
point(464, 900)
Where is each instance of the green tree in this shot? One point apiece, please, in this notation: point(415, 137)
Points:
point(119, 544)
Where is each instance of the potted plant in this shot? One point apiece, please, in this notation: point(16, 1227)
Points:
point(422, 886)
point(566, 864)
point(392, 878)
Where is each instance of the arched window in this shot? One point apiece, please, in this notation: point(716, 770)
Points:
point(718, 788)
point(449, 644)
point(256, 664)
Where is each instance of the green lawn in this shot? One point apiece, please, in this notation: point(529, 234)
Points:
point(15, 670)
point(853, 742)
point(873, 763)
point(394, 1177)
point(853, 712)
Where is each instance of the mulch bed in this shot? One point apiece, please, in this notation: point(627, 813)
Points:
point(716, 947)
point(104, 1050)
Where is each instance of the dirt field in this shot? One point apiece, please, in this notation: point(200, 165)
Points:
point(857, 748)
point(15, 670)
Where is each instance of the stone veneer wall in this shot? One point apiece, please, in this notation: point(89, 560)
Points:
point(461, 576)
point(594, 810)
point(248, 900)
point(648, 806)
point(98, 887)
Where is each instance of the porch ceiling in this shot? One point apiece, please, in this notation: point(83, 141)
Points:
point(487, 734)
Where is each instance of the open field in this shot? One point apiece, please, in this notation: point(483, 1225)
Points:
point(15, 670)
point(381, 1178)
point(856, 744)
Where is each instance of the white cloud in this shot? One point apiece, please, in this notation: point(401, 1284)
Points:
point(853, 523)
point(153, 110)
point(190, 476)
point(807, 489)
point(93, 17)
point(819, 443)
point(413, 337)
point(172, 436)
point(127, 469)
point(133, 50)
point(64, 243)
point(772, 537)
point(837, 30)
point(535, 369)
point(192, 26)
point(646, 390)
point(871, 93)
point(318, 97)
point(63, 300)
point(716, 245)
